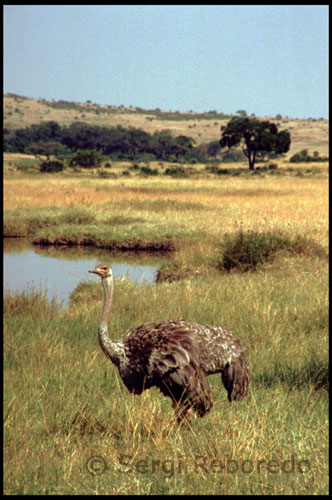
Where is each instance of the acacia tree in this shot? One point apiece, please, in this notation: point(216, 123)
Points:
point(255, 137)
point(46, 148)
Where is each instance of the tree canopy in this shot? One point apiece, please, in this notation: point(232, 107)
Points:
point(124, 143)
point(255, 137)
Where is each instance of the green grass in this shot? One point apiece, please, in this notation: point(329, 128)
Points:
point(64, 402)
point(240, 252)
point(82, 225)
point(246, 250)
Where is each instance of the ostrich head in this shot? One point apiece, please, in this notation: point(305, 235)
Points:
point(103, 270)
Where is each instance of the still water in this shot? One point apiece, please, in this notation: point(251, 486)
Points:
point(58, 270)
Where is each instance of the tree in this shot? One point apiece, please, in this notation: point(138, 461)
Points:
point(161, 144)
point(46, 148)
point(181, 146)
point(15, 141)
point(137, 141)
point(48, 131)
point(81, 136)
point(255, 137)
point(86, 159)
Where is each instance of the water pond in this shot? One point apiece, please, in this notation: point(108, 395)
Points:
point(58, 270)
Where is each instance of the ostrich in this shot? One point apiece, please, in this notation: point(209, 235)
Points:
point(175, 356)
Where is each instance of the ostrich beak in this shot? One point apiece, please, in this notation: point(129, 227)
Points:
point(93, 271)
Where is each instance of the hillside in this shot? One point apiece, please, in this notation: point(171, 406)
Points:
point(20, 112)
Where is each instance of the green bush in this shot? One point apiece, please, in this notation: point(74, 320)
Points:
point(87, 158)
point(149, 171)
point(245, 250)
point(177, 172)
point(219, 171)
point(51, 166)
point(104, 175)
point(303, 156)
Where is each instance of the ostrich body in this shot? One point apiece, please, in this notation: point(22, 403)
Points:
point(175, 356)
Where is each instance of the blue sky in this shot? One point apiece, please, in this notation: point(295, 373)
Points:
point(265, 59)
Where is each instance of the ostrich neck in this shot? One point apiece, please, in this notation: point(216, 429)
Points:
point(113, 350)
point(108, 297)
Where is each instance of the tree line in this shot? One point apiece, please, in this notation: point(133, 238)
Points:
point(49, 138)
point(257, 139)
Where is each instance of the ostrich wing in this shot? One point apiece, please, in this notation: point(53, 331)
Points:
point(170, 357)
point(175, 370)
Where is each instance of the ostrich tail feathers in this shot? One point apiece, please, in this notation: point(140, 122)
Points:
point(235, 377)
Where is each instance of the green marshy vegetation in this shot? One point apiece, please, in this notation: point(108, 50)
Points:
point(64, 401)
point(86, 226)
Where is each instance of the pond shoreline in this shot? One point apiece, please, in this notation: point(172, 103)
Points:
point(160, 247)
point(58, 269)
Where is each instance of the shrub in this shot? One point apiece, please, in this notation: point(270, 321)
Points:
point(149, 171)
point(303, 156)
point(300, 157)
point(214, 169)
point(177, 172)
point(51, 166)
point(87, 158)
point(222, 171)
point(104, 175)
point(245, 250)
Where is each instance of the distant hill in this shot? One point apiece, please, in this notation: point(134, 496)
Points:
point(21, 112)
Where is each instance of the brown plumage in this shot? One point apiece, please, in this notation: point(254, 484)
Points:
point(175, 356)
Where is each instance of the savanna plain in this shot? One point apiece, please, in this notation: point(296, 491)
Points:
point(71, 427)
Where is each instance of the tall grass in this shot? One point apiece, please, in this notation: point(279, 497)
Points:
point(64, 402)
point(176, 212)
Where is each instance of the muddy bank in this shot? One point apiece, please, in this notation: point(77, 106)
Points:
point(166, 246)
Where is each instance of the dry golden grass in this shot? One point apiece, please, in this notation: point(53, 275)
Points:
point(298, 204)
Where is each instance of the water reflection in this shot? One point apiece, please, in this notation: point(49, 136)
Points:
point(59, 270)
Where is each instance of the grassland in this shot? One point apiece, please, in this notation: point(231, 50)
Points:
point(63, 401)
point(20, 112)
point(127, 210)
